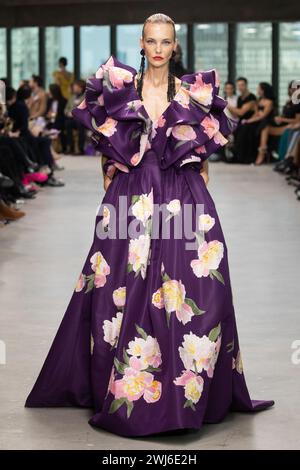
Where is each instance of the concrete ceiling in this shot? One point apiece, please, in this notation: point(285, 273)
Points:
point(16, 13)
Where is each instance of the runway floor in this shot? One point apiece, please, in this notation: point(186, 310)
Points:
point(41, 257)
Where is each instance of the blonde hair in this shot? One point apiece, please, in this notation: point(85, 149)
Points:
point(159, 18)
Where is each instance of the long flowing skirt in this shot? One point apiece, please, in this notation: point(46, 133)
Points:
point(149, 339)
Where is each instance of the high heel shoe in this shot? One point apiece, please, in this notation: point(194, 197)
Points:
point(262, 151)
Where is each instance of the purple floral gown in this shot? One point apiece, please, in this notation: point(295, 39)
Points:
point(149, 338)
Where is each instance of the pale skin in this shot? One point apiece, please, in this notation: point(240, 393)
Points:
point(158, 41)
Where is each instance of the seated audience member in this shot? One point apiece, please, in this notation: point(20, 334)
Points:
point(247, 137)
point(242, 109)
point(290, 115)
point(40, 145)
point(230, 95)
point(55, 113)
point(71, 123)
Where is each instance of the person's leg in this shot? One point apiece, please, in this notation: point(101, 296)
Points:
point(264, 137)
point(8, 164)
point(70, 125)
point(44, 144)
point(292, 143)
point(31, 143)
point(81, 136)
point(263, 146)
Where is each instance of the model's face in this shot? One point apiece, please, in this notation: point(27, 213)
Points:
point(158, 43)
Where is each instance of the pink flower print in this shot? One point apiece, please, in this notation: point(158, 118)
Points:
point(185, 313)
point(201, 92)
point(193, 387)
point(185, 376)
point(118, 76)
point(211, 365)
point(108, 128)
point(158, 298)
point(134, 105)
point(200, 149)
point(99, 73)
point(209, 258)
point(82, 105)
point(211, 126)
point(133, 384)
point(80, 283)
point(111, 383)
point(100, 100)
point(217, 78)
point(153, 393)
point(101, 269)
point(183, 97)
point(183, 132)
point(135, 159)
point(160, 122)
point(220, 139)
point(136, 363)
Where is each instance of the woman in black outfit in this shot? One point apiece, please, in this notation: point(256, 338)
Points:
point(56, 112)
point(248, 138)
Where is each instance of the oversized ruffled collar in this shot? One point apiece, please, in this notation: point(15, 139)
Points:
point(191, 103)
point(194, 121)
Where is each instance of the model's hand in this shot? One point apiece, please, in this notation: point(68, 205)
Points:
point(107, 182)
point(205, 176)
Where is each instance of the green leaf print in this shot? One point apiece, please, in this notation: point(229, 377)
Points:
point(230, 346)
point(138, 271)
point(195, 366)
point(115, 404)
point(141, 331)
point(168, 315)
point(153, 369)
point(119, 366)
point(179, 144)
point(165, 277)
point(90, 283)
point(129, 407)
point(134, 198)
point(200, 238)
point(218, 275)
point(189, 404)
point(196, 310)
point(214, 333)
point(129, 268)
point(125, 356)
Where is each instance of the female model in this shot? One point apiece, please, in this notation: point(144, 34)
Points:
point(149, 338)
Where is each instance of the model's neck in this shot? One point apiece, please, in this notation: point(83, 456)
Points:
point(157, 76)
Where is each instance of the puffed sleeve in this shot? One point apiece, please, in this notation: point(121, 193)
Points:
point(201, 122)
point(111, 111)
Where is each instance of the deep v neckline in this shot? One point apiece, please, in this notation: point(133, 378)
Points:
point(144, 108)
